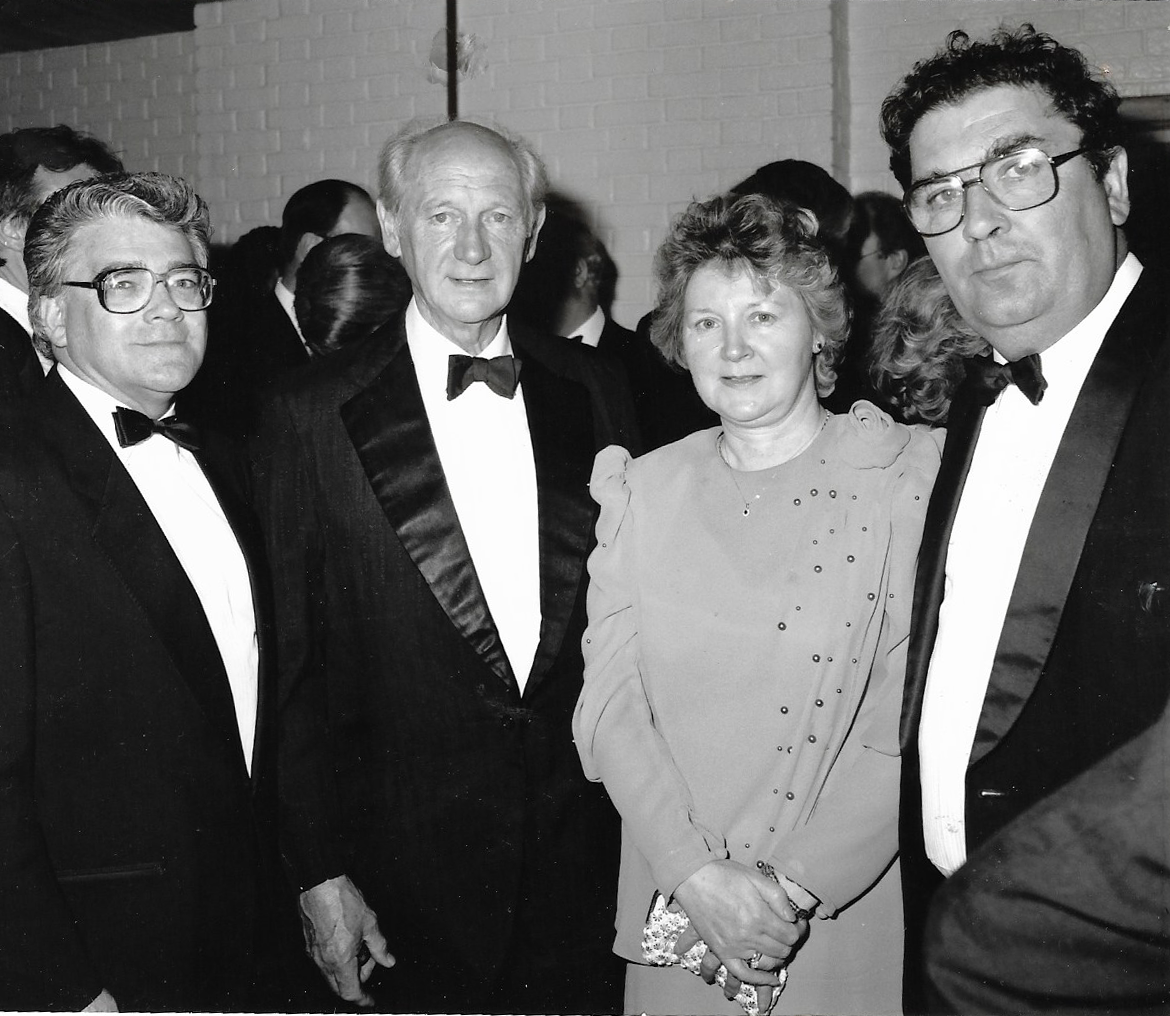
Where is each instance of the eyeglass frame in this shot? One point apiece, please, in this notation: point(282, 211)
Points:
point(1055, 161)
point(97, 283)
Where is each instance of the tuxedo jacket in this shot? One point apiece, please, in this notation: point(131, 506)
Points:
point(1081, 665)
point(132, 837)
point(20, 370)
point(1065, 909)
point(251, 343)
point(411, 760)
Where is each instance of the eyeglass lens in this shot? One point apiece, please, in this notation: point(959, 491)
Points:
point(1018, 181)
point(126, 290)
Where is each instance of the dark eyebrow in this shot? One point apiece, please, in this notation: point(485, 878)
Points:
point(1000, 148)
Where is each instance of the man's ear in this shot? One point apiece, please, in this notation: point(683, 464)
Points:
point(305, 244)
point(12, 233)
point(1116, 184)
point(51, 319)
point(530, 248)
point(389, 223)
point(897, 261)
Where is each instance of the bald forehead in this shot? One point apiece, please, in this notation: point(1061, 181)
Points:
point(458, 140)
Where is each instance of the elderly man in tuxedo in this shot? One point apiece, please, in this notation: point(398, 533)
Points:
point(34, 163)
point(1039, 640)
point(425, 493)
point(137, 805)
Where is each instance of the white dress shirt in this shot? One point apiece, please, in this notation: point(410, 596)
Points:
point(287, 299)
point(14, 302)
point(178, 495)
point(486, 453)
point(589, 331)
point(1013, 455)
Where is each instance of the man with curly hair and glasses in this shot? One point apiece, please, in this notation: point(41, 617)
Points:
point(1039, 639)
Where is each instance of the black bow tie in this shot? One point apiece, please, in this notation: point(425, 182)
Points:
point(990, 378)
point(501, 374)
point(134, 427)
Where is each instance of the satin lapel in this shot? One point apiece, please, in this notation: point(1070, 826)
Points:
point(1063, 516)
point(248, 536)
point(125, 531)
point(560, 424)
point(964, 421)
point(388, 425)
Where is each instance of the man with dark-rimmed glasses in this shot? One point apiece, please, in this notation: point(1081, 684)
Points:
point(1039, 642)
point(136, 797)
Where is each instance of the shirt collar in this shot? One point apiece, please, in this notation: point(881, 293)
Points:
point(1073, 353)
point(590, 329)
point(286, 298)
point(99, 404)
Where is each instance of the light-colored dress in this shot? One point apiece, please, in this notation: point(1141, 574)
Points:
point(743, 683)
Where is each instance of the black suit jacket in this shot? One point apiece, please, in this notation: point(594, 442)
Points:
point(1081, 665)
point(1065, 909)
point(20, 370)
point(412, 761)
point(131, 835)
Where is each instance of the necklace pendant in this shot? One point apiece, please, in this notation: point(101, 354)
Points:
point(746, 511)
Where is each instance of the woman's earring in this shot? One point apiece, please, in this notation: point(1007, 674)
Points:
point(817, 347)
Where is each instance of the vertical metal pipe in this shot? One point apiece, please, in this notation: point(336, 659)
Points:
point(452, 62)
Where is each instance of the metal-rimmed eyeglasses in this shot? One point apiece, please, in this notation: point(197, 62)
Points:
point(128, 290)
point(1020, 180)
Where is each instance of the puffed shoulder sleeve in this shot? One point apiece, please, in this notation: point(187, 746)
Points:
point(613, 725)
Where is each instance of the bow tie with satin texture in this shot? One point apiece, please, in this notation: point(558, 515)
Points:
point(133, 428)
point(501, 374)
point(991, 378)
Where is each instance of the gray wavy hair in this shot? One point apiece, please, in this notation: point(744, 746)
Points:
point(155, 197)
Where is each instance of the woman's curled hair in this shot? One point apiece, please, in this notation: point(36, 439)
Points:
point(920, 346)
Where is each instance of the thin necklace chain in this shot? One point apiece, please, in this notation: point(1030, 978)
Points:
point(747, 502)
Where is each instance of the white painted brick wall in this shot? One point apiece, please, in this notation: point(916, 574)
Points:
point(136, 95)
point(637, 105)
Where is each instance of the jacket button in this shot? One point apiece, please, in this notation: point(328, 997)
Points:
point(508, 722)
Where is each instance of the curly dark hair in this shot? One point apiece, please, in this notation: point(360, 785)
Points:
point(1020, 56)
point(773, 241)
point(920, 345)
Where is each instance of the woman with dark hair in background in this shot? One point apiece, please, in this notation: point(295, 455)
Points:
point(749, 607)
point(346, 287)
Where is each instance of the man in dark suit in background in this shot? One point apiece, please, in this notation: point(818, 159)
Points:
point(254, 337)
point(1039, 639)
point(137, 805)
point(34, 162)
point(426, 496)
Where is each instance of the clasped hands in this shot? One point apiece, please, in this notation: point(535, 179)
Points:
point(343, 938)
point(739, 913)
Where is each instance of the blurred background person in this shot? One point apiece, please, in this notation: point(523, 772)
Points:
point(920, 346)
point(254, 338)
point(347, 286)
point(567, 289)
point(888, 246)
point(749, 609)
point(35, 162)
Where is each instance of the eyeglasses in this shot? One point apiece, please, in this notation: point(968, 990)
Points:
point(127, 290)
point(1019, 181)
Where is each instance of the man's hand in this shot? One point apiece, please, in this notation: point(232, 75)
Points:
point(337, 923)
point(738, 913)
point(103, 1003)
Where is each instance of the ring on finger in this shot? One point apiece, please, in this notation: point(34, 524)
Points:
point(754, 960)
